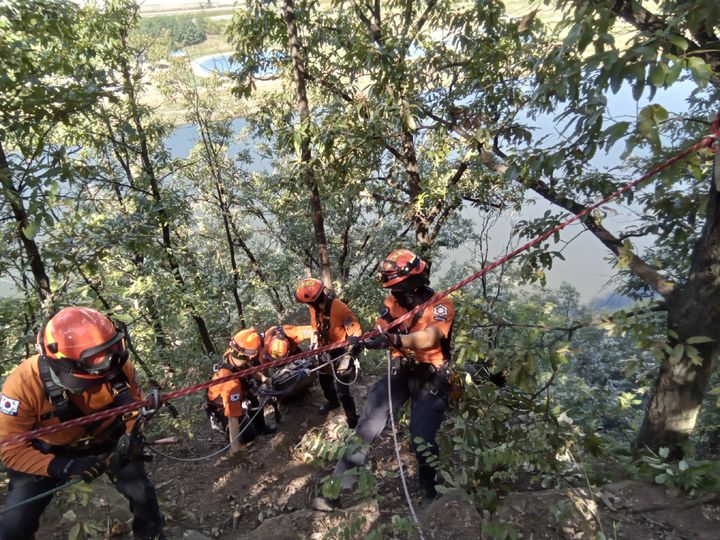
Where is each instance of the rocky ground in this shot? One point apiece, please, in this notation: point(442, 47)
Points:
point(268, 497)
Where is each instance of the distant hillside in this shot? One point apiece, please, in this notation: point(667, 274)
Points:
point(611, 302)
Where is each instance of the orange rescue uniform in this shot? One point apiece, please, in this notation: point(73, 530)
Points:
point(340, 324)
point(439, 314)
point(231, 393)
point(294, 334)
point(25, 407)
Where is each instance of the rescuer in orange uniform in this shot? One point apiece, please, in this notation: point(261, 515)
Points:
point(82, 368)
point(420, 368)
point(233, 405)
point(332, 321)
point(284, 340)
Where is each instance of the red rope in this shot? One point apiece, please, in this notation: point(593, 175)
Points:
point(706, 142)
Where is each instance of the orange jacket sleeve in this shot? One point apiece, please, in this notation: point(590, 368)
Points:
point(343, 322)
point(232, 397)
point(21, 404)
point(298, 333)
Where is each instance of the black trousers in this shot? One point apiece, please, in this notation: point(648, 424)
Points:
point(23, 522)
point(429, 395)
point(251, 429)
point(338, 390)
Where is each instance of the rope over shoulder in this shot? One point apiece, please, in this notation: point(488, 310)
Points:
point(153, 402)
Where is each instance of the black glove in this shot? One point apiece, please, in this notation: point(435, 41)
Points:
point(356, 345)
point(252, 384)
point(128, 448)
point(383, 341)
point(86, 468)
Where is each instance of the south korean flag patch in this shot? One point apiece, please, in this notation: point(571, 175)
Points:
point(9, 406)
point(234, 397)
point(440, 313)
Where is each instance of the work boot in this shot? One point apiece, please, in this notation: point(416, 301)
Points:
point(329, 406)
point(352, 421)
point(325, 504)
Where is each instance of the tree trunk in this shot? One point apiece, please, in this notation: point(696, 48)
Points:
point(306, 169)
point(149, 170)
point(225, 211)
point(693, 311)
point(14, 197)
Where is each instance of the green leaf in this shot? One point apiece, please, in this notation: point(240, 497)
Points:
point(74, 533)
point(661, 478)
point(331, 487)
point(677, 353)
point(699, 339)
point(31, 229)
point(614, 133)
point(699, 70)
point(673, 73)
point(657, 74)
point(679, 41)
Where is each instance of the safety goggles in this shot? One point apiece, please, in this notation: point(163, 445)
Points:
point(390, 270)
point(92, 361)
point(241, 353)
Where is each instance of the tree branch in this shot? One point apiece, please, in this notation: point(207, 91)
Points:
point(648, 274)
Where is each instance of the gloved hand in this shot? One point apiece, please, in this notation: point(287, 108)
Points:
point(128, 448)
point(383, 341)
point(86, 468)
point(356, 345)
point(252, 384)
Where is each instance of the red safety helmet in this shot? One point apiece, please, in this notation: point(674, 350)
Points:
point(277, 346)
point(309, 290)
point(82, 343)
point(399, 265)
point(245, 345)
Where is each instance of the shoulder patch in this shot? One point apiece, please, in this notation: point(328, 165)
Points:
point(9, 406)
point(440, 312)
point(347, 321)
point(235, 397)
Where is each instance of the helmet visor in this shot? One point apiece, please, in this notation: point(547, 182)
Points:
point(390, 269)
point(104, 357)
point(242, 353)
